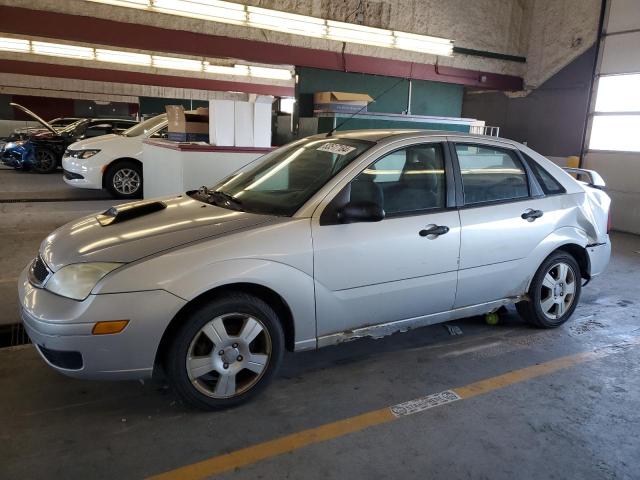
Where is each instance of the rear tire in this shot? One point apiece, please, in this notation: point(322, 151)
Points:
point(123, 179)
point(45, 161)
point(554, 293)
point(226, 352)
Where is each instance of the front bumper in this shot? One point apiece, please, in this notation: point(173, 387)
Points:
point(11, 159)
point(90, 173)
point(60, 328)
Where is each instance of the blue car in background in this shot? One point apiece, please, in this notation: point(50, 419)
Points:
point(17, 153)
point(41, 150)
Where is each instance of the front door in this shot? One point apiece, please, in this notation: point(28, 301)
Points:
point(402, 267)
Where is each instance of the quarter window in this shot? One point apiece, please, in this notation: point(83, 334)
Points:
point(490, 174)
point(550, 186)
point(404, 181)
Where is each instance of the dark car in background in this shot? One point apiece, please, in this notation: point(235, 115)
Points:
point(42, 150)
point(58, 123)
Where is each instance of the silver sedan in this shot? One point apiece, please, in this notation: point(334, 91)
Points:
point(324, 240)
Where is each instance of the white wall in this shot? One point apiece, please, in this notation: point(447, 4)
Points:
point(620, 53)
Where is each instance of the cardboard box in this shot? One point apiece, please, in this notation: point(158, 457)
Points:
point(187, 137)
point(222, 122)
point(180, 121)
point(341, 101)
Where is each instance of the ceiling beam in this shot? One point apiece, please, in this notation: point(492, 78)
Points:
point(79, 28)
point(138, 78)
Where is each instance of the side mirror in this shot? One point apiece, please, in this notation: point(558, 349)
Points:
point(360, 212)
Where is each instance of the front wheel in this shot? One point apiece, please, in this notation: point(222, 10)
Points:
point(124, 179)
point(45, 161)
point(554, 292)
point(225, 352)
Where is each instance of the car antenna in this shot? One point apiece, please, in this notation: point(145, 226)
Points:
point(368, 103)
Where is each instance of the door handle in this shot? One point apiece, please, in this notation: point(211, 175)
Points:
point(530, 215)
point(435, 230)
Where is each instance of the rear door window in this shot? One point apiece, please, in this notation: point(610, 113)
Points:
point(491, 174)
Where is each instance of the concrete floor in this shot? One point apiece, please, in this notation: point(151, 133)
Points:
point(580, 422)
point(24, 224)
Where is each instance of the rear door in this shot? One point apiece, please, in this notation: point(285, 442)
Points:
point(504, 215)
point(370, 273)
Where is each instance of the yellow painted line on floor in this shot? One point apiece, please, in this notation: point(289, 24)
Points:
point(295, 441)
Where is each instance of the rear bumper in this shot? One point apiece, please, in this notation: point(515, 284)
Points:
point(60, 328)
point(599, 255)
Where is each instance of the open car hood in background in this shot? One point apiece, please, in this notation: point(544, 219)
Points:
point(34, 116)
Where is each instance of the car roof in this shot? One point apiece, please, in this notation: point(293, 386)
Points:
point(393, 134)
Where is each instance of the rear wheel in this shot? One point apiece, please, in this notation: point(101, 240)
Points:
point(124, 179)
point(226, 352)
point(45, 161)
point(554, 292)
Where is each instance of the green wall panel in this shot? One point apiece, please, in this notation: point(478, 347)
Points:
point(428, 98)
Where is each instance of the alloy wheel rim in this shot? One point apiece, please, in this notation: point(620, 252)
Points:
point(44, 159)
point(126, 181)
point(558, 290)
point(228, 355)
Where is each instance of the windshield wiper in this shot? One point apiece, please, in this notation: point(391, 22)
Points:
point(220, 198)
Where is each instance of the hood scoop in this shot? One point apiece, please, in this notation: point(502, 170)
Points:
point(129, 211)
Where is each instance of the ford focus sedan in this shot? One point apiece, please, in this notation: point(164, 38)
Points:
point(324, 240)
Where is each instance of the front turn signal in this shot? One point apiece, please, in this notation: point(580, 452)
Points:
point(111, 326)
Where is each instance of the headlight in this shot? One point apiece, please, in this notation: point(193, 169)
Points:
point(11, 145)
point(77, 280)
point(84, 154)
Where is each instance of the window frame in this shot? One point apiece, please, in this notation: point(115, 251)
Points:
point(533, 188)
point(327, 217)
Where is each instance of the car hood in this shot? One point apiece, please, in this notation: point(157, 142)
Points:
point(98, 142)
point(35, 117)
point(134, 230)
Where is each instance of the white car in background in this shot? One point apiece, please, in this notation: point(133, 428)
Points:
point(113, 161)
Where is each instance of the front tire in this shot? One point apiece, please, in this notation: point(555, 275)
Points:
point(124, 179)
point(45, 160)
point(554, 293)
point(226, 352)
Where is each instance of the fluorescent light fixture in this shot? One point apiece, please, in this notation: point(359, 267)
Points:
point(225, 12)
point(268, 19)
point(9, 44)
point(267, 72)
point(226, 70)
point(62, 50)
point(177, 63)
point(142, 59)
point(286, 22)
point(423, 43)
point(349, 32)
point(126, 58)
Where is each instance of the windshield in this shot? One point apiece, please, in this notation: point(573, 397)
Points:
point(62, 122)
point(72, 127)
point(280, 182)
point(145, 126)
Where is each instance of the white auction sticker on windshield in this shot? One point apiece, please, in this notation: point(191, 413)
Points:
point(336, 148)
